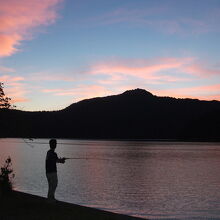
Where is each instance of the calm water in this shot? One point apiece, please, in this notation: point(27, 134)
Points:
point(156, 180)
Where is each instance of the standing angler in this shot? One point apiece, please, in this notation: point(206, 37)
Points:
point(51, 169)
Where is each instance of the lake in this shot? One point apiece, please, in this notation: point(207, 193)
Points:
point(155, 180)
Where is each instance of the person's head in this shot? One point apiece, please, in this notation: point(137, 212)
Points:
point(53, 143)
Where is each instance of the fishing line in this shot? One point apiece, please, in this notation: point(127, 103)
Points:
point(30, 145)
point(66, 158)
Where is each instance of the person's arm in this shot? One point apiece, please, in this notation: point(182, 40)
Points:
point(59, 160)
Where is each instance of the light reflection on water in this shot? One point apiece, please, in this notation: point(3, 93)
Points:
point(157, 180)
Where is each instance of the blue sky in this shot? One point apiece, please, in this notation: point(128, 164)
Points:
point(57, 52)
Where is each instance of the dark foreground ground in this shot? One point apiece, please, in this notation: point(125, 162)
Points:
point(25, 206)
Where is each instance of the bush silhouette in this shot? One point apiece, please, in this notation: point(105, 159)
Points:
point(6, 176)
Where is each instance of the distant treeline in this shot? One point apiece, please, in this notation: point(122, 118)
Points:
point(134, 114)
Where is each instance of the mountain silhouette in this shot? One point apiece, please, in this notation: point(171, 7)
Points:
point(134, 114)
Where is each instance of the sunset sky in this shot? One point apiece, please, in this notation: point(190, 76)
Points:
point(56, 52)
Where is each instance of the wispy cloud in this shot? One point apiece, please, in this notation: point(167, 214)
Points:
point(125, 15)
point(19, 18)
point(17, 93)
point(163, 18)
point(4, 69)
point(9, 79)
point(154, 70)
point(202, 70)
point(166, 69)
point(80, 92)
point(15, 88)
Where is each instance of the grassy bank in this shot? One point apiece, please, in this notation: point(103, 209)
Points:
point(25, 206)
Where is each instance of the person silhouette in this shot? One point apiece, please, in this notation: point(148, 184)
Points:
point(51, 169)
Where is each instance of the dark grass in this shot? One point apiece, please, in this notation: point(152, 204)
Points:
point(25, 206)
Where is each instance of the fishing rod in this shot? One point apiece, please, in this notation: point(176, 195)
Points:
point(89, 158)
point(76, 158)
point(83, 158)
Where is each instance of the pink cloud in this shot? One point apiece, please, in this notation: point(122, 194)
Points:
point(146, 69)
point(8, 79)
point(155, 71)
point(6, 69)
point(81, 92)
point(19, 18)
point(200, 70)
point(17, 92)
point(208, 92)
point(17, 100)
point(14, 88)
point(8, 43)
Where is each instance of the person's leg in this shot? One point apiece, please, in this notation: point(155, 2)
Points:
point(52, 185)
point(49, 180)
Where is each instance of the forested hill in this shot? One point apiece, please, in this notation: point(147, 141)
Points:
point(133, 114)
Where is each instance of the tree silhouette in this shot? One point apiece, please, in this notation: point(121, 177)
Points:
point(4, 100)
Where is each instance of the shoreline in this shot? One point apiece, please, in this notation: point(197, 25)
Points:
point(24, 206)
